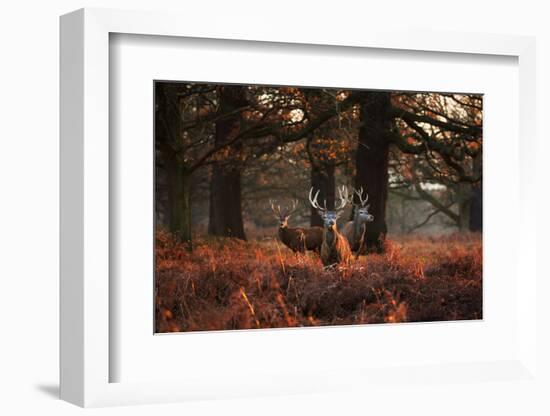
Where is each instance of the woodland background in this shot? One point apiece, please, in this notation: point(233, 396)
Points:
point(224, 151)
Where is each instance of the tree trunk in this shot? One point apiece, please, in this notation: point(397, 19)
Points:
point(372, 162)
point(225, 203)
point(225, 218)
point(162, 211)
point(465, 194)
point(180, 203)
point(476, 204)
point(322, 179)
point(177, 176)
point(476, 209)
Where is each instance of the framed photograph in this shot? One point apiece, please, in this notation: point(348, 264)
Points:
point(398, 241)
point(286, 213)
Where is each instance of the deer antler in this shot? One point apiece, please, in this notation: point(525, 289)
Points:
point(343, 192)
point(359, 193)
point(285, 213)
point(313, 200)
point(292, 208)
point(276, 210)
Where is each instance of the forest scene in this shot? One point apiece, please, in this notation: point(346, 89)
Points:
point(289, 206)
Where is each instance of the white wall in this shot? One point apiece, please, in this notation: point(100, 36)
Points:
point(29, 182)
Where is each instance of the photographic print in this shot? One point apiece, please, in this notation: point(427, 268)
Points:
point(294, 206)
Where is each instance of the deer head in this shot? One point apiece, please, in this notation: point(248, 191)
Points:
point(282, 215)
point(361, 208)
point(329, 216)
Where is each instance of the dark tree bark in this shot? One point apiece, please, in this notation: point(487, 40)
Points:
point(225, 217)
point(177, 177)
point(476, 208)
point(225, 203)
point(464, 196)
point(179, 200)
point(162, 212)
point(372, 162)
point(322, 179)
point(476, 203)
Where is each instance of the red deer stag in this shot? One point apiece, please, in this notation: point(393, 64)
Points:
point(296, 238)
point(355, 230)
point(334, 248)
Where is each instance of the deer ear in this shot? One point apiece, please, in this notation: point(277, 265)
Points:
point(368, 206)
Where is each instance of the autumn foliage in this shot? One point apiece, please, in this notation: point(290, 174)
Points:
point(226, 284)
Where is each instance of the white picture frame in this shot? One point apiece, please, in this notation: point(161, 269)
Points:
point(85, 220)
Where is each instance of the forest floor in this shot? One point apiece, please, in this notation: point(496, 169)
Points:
point(228, 284)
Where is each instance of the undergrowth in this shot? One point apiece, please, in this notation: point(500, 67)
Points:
point(228, 284)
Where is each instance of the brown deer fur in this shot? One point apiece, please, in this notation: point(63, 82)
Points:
point(293, 238)
point(296, 238)
point(301, 239)
point(335, 248)
point(355, 230)
point(314, 238)
point(355, 234)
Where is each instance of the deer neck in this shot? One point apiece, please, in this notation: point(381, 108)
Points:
point(283, 231)
point(357, 227)
point(330, 236)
